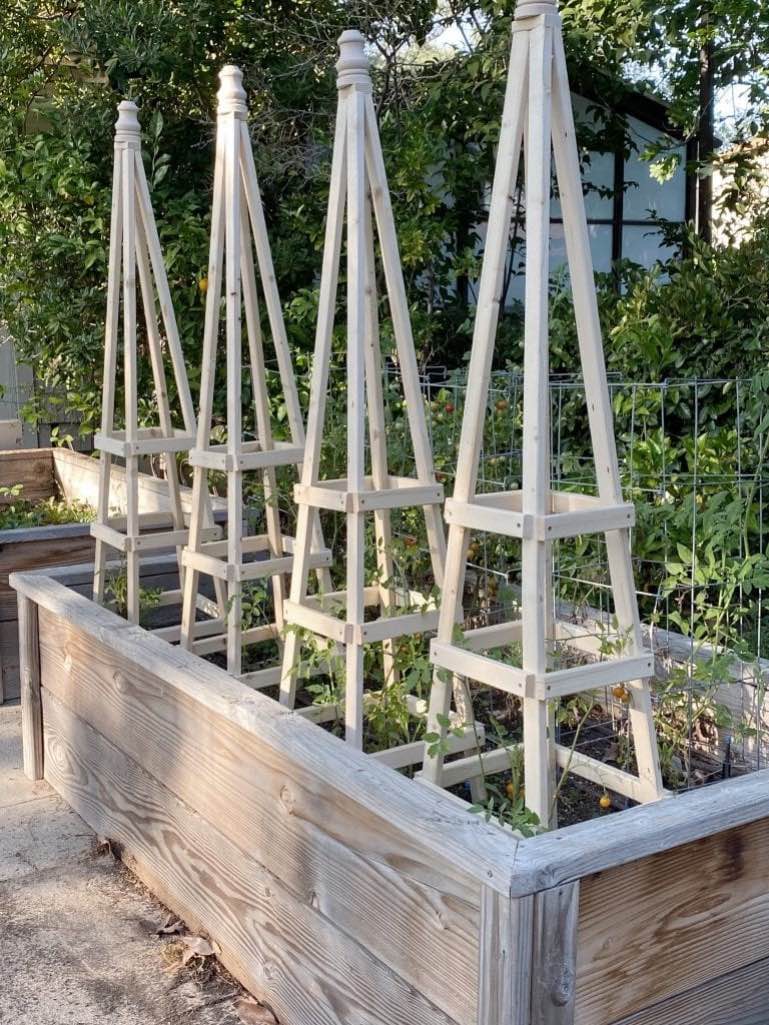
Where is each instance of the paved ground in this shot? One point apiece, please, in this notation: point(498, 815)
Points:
point(78, 941)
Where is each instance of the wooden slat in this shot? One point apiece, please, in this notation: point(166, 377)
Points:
point(504, 973)
point(31, 707)
point(554, 956)
point(284, 949)
point(585, 521)
point(562, 682)
point(481, 668)
point(673, 922)
point(498, 635)
point(30, 467)
point(37, 548)
point(399, 626)
point(738, 998)
point(476, 516)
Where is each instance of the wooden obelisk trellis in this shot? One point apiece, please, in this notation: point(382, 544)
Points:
point(135, 245)
point(237, 223)
point(538, 116)
point(358, 184)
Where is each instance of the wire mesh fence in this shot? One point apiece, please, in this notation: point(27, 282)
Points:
point(692, 455)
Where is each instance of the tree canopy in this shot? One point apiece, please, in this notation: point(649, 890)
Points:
point(439, 68)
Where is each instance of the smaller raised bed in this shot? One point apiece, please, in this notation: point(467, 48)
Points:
point(70, 476)
point(342, 893)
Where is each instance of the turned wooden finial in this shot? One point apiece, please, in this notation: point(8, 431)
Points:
point(352, 66)
point(531, 8)
point(127, 128)
point(231, 95)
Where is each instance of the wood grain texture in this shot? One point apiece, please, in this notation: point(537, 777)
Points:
point(36, 548)
point(586, 848)
point(454, 845)
point(10, 682)
point(30, 467)
point(286, 952)
point(738, 998)
point(504, 974)
point(554, 955)
point(31, 707)
point(673, 922)
point(425, 930)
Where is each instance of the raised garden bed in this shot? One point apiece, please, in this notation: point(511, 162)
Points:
point(339, 891)
point(70, 477)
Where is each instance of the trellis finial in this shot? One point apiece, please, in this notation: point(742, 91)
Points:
point(231, 95)
point(127, 127)
point(352, 66)
point(530, 8)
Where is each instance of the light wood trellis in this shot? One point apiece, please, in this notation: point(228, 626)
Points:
point(237, 224)
point(135, 245)
point(358, 186)
point(538, 117)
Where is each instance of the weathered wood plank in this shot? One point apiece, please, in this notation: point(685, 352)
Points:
point(504, 972)
point(36, 548)
point(285, 951)
point(485, 852)
point(10, 682)
point(673, 921)
point(30, 467)
point(550, 859)
point(739, 998)
point(289, 820)
point(31, 707)
point(555, 956)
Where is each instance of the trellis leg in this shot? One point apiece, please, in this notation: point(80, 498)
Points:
point(152, 241)
point(277, 325)
point(536, 438)
point(110, 367)
point(357, 281)
point(131, 382)
point(262, 409)
point(234, 373)
point(599, 410)
point(207, 380)
point(159, 377)
point(320, 367)
point(404, 340)
point(396, 290)
point(378, 448)
point(490, 299)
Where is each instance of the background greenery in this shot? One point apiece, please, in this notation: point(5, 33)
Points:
point(64, 66)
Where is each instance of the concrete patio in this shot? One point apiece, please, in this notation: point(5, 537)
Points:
point(78, 934)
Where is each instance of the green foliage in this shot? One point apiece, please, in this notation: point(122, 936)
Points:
point(43, 513)
point(116, 589)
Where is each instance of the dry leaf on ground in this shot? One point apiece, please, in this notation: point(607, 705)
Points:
point(196, 946)
point(170, 926)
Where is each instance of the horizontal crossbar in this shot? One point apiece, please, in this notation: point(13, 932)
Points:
point(570, 515)
point(250, 457)
point(413, 754)
point(149, 441)
point(563, 682)
point(151, 542)
point(311, 614)
point(608, 776)
point(482, 669)
point(212, 560)
point(335, 495)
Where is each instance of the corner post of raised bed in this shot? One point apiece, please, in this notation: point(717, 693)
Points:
point(31, 702)
point(505, 958)
point(554, 955)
